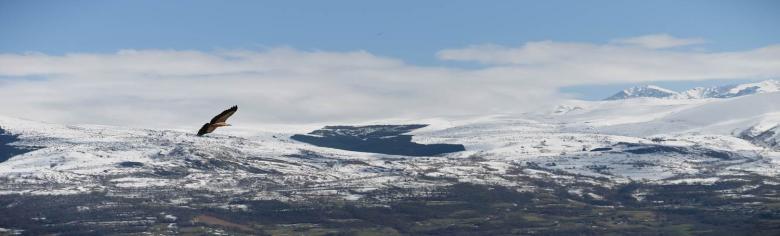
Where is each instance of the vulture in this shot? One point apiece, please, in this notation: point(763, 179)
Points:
point(217, 121)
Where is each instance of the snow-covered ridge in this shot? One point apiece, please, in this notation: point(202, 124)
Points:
point(763, 136)
point(727, 91)
point(650, 91)
point(585, 141)
point(599, 142)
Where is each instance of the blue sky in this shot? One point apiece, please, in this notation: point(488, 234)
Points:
point(410, 30)
point(311, 61)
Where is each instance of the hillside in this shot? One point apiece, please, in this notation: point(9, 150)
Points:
point(631, 153)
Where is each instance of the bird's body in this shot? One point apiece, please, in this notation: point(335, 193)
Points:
point(217, 121)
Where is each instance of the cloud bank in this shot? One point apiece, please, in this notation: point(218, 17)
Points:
point(657, 41)
point(182, 89)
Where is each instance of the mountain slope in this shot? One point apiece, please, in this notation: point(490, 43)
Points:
point(720, 116)
point(607, 139)
point(763, 136)
point(727, 91)
point(645, 91)
point(617, 158)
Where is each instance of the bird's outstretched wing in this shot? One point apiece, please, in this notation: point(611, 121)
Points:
point(222, 117)
point(204, 130)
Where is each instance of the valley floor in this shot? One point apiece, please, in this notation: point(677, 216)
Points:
point(460, 209)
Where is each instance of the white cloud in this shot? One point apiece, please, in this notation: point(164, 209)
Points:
point(657, 41)
point(170, 88)
point(585, 63)
point(167, 88)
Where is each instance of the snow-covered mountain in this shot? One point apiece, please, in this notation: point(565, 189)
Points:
point(645, 91)
point(616, 152)
point(727, 91)
point(676, 138)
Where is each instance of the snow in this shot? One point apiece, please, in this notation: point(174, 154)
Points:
point(11, 231)
point(728, 91)
point(766, 86)
point(717, 116)
point(263, 162)
point(170, 218)
point(130, 182)
point(644, 91)
point(710, 180)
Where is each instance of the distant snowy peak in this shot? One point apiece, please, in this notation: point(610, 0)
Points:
point(650, 91)
point(728, 91)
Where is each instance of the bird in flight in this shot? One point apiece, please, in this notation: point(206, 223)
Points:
point(217, 121)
